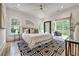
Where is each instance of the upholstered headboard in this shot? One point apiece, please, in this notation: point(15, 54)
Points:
point(29, 30)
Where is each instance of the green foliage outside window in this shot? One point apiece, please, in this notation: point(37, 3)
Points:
point(14, 26)
point(13, 30)
point(63, 26)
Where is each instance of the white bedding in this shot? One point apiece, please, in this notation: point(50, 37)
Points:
point(32, 39)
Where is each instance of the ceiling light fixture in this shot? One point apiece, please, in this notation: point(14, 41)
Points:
point(18, 4)
point(61, 6)
point(41, 7)
point(42, 11)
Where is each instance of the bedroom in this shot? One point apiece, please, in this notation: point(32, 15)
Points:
point(37, 29)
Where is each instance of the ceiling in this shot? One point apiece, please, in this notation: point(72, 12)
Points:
point(49, 9)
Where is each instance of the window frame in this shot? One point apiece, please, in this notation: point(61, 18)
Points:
point(12, 26)
point(67, 18)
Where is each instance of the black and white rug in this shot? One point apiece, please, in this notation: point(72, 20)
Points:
point(52, 48)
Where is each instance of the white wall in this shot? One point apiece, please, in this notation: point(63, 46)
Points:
point(25, 21)
point(67, 13)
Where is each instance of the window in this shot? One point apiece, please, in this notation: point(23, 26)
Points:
point(59, 25)
point(63, 26)
point(14, 26)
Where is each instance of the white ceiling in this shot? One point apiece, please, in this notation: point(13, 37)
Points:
point(49, 9)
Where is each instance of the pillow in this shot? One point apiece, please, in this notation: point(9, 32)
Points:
point(26, 31)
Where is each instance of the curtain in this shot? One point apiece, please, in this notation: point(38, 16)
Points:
point(2, 15)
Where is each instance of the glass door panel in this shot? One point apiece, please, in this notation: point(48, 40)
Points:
point(47, 27)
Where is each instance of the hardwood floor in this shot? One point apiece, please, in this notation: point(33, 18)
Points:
point(12, 49)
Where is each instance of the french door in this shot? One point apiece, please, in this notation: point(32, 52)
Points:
point(47, 26)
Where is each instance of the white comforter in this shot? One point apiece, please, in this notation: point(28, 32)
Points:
point(32, 39)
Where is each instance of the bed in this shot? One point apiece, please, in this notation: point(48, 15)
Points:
point(34, 40)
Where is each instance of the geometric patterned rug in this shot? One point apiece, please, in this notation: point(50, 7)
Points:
point(52, 48)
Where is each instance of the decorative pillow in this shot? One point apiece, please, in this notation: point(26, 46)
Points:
point(26, 31)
